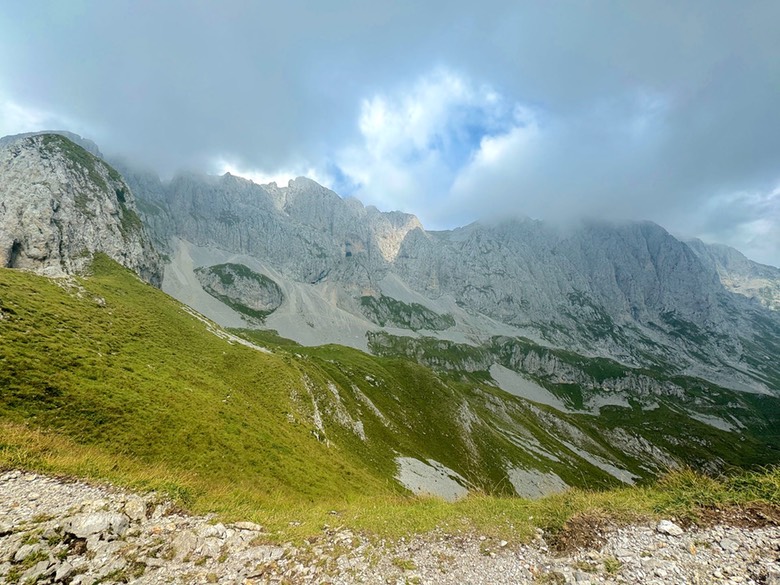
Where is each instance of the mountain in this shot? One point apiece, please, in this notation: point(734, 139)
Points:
point(125, 372)
point(629, 292)
point(60, 204)
point(84, 143)
point(741, 275)
point(608, 321)
point(512, 358)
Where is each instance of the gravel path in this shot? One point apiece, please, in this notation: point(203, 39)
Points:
point(56, 531)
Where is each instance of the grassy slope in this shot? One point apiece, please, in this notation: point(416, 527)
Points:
point(424, 414)
point(139, 376)
point(669, 424)
point(108, 378)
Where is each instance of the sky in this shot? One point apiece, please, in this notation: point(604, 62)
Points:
point(454, 111)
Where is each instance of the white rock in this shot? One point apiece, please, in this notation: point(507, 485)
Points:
point(184, 544)
point(25, 551)
point(38, 570)
point(86, 525)
point(214, 530)
point(135, 509)
point(248, 526)
point(63, 571)
point(669, 527)
point(773, 576)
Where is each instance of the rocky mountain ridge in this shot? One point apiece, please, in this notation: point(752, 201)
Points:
point(601, 320)
point(84, 143)
point(741, 275)
point(60, 204)
point(630, 292)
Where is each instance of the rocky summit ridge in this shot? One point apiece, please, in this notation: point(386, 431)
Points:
point(740, 274)
point(631, 291)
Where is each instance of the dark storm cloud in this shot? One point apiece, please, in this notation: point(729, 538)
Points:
point(629, 109)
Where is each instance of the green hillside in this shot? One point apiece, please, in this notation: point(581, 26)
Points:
point(106, 377)
point(112, 362)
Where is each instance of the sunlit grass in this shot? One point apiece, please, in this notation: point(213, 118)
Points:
point(680, 494)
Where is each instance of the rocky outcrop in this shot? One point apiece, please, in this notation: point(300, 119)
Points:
point(741, 275)
point(60, 204)
point(384, 311)
point(251, 294)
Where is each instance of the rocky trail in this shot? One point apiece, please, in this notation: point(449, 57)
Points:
point(61, 531)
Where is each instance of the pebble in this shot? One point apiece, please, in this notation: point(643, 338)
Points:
point(83, 534)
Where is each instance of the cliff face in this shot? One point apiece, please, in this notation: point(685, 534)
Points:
point(525, 272)
point(60, 204)
point(630, 292)
point(740, 274)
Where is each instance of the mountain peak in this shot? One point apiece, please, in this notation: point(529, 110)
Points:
point(84, 143)
point(739, 274)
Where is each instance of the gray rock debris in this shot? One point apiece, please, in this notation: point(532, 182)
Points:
point(109, 524)
point(135, 509)
point(80, 534)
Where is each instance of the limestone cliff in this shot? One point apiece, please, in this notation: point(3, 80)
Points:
point(740, 274)
point(628, 291)
point(60, 204)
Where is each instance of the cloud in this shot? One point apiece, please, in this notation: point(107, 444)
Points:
point(593, 163)
point(448, 109)
point(414, 141)
point(281, 177)
point(16, 118)
point(467, 151)
point(749, 221)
